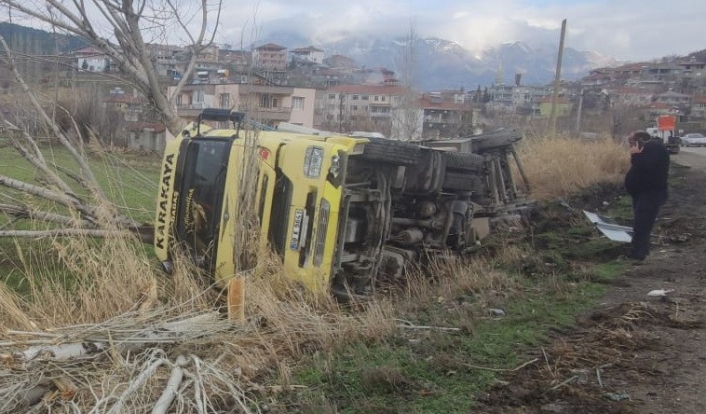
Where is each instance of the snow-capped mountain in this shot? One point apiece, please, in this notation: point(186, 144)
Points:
point(445, 64)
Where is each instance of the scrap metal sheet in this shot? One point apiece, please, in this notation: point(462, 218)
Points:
point(610, 228)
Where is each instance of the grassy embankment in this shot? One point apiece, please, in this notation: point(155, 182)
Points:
point(430, 348)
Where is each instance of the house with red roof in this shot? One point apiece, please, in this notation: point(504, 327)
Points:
point(698, 107)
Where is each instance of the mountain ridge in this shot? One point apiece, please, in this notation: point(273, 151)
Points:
point(440, 63)
point(443, 64)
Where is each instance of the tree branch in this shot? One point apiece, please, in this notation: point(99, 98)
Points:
point(27, 212)
point(39, 234)
point(83, 165)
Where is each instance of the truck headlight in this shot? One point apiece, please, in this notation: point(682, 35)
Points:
point(322, 227)
point(313, 160)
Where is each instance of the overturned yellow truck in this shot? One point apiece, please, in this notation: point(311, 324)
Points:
point(339, 211)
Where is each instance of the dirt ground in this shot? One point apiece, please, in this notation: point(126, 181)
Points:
point(633, 353)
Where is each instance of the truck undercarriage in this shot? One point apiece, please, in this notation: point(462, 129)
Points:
point(405, 203)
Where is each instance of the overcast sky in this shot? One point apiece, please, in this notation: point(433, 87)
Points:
point(623, 29)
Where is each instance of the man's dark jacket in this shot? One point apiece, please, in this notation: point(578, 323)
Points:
point(648, 170)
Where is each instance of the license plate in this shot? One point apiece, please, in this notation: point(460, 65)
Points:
point(296, 230)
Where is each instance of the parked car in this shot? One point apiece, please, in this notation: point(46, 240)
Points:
point(693, 139)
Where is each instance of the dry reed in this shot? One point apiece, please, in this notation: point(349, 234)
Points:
point(557, 167)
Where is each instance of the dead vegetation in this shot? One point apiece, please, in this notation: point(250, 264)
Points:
point(111, 333)
point(564, 165)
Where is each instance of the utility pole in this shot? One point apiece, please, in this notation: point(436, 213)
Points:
point(578, 112)
point(340, 113)
point(557, 79)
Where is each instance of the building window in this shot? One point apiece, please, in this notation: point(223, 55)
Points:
point(377, 98)
point(355, 97)
point(225, 100)
point(298, 103)
point(354, 107)
point(332, 96)
point(382, 98)
point(364, 97)
point(264, 101)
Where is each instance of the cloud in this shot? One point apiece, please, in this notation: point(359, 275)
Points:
point(626, 29)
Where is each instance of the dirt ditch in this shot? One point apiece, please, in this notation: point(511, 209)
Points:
point(633, 353)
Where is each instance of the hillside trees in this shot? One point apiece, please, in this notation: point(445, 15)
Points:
point(73, 200)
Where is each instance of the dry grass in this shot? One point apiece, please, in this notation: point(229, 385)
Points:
point(107, 280)
point(560, 166)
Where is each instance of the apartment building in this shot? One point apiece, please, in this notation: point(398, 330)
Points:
point(446, 115)
point(270, 56)
point(672, 98)
point(267, 105)
point(360, 107)
point(308, 54)
point(523, 98)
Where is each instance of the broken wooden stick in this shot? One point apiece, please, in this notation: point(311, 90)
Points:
point(502, 369)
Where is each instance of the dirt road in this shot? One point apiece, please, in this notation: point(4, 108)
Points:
point(694, 157)
point(634, 353)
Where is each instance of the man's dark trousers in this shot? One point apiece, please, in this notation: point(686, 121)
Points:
point(645, 206)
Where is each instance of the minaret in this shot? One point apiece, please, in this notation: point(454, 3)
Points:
point(499, 74)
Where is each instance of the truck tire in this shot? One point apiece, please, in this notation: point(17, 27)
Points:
point(464, 161)
point(495, 140)
point(463, 181)
point(391, 152)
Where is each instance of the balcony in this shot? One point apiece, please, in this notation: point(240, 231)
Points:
point(192, 110)
point(270, 114)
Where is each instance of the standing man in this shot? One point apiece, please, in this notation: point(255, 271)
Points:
point(646, 182)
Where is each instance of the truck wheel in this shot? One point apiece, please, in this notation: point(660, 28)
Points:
point(495, 140)
point(391, 152)
point(460, 181)
point(464, 161)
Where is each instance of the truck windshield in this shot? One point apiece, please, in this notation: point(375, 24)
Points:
point(203, 174)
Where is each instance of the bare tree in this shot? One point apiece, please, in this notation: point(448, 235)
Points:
point(122, 30)
point(407, 116)
point(72, 201)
